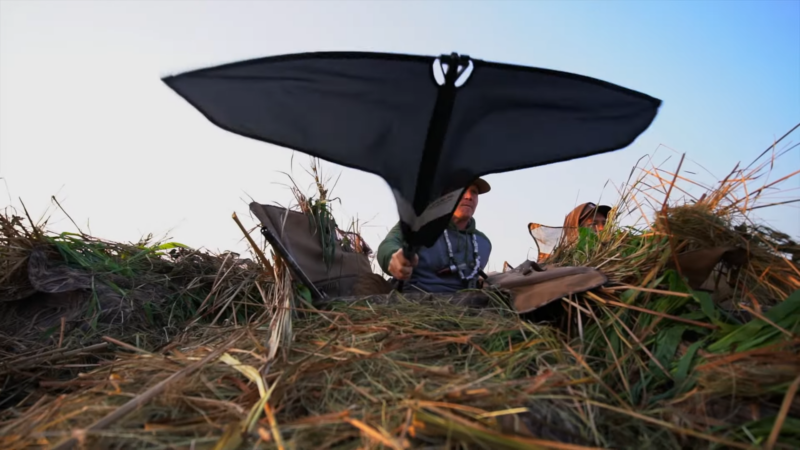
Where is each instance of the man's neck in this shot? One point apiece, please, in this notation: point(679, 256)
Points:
point(461, 222)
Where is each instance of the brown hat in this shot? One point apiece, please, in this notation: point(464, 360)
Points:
point(589, 210)
point(482, 185)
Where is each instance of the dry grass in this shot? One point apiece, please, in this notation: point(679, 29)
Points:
point(646, 362)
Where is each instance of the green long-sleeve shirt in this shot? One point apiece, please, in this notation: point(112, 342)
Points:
point(434, 259)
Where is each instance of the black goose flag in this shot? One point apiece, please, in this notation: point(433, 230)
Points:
point(428, 126)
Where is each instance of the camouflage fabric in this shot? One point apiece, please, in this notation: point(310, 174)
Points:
point(298, 235)
point(533, 286)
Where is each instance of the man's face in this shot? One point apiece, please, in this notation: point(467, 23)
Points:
point(468, 204)
point(596, 222)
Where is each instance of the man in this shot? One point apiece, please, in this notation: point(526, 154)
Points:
point(587, 215)
point(453, 262)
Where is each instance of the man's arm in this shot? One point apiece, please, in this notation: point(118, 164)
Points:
point(489, 253)
point(391, 244)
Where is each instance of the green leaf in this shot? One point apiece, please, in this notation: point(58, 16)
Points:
point(629, 297)
point(660, 280)
point(304, 292)
point(96, 311)
point(694, 315)
point(758, 332)
point(707, 305)
point(725, 328)
point(786, 309)
point(676, 282)
point(761, 429)
point(148, 312)
point(685, 363)
point(68, 234)
point(639, 389)
point(743, 333)
point(667, 344)
point(169, 246)
point(587, 238)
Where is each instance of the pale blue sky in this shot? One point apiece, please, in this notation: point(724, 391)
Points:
point(84, 115)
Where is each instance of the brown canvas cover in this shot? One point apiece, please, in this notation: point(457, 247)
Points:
point(298, 235)
point(698, 265)
point(712, 270)
point(533, 286)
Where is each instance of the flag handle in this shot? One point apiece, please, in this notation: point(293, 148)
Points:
point(409, 254)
